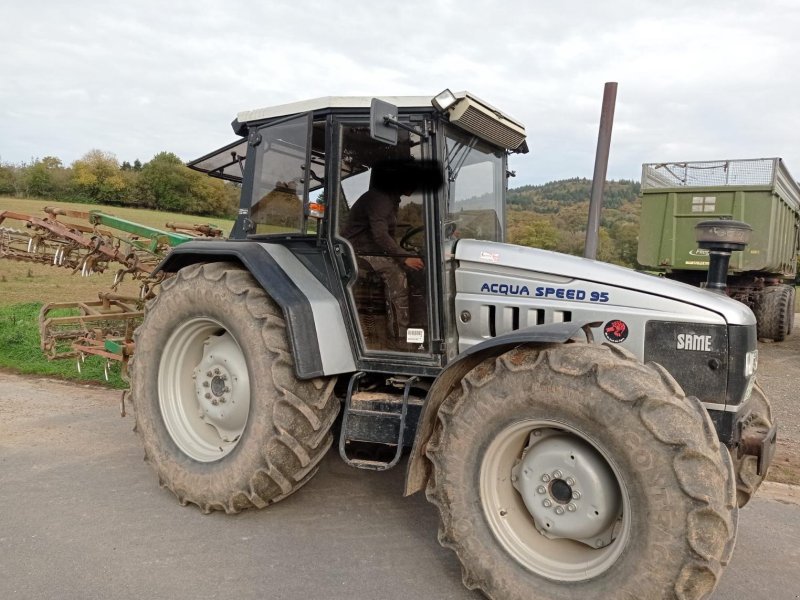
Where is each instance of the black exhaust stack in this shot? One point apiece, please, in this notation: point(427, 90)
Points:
point(720, 238)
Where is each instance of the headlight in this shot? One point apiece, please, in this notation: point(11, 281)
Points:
point(751, 363)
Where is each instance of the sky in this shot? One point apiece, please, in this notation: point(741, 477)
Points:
point(696, 80)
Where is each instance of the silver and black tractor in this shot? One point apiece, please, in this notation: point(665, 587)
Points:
point(585, 431)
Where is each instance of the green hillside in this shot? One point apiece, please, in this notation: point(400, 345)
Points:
point(553, 216)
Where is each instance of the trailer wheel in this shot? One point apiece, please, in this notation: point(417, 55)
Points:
point(775, 312)
point(577, 472)
point(223, 419)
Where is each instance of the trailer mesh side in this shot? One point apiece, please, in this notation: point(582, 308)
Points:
point(711, 173)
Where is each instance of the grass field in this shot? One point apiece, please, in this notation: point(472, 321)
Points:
point(24, 287)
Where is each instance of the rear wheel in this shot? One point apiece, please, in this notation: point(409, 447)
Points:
point(576, 471)
point(223, 419)
point(775, 312)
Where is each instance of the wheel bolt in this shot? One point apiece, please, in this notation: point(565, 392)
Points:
point(209, 374)
point(547, 504)
point(206, 384)
point(224, 378)
point(545, 477)
point(559, 510)
point(208, 396)
point(556, 474)
point(576, 495)
point(541, 489)
point(216, 371)
point(570, 481)
point(227, 390)
point(215, 403)
point(571, 507)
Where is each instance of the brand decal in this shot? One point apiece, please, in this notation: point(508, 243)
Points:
point(490, 256)
point(698, 252)
point(692, 341)
point(510, 289)
point(616, 331)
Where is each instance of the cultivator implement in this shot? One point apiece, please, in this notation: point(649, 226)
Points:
point(88, 243)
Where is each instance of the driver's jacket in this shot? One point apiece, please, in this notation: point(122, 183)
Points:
point(371, 225)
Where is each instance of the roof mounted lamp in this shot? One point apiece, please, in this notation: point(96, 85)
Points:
point(444, 100)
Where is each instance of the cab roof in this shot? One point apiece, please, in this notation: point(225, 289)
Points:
point(330, 102)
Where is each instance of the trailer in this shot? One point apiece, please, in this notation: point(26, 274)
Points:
point(676, 196)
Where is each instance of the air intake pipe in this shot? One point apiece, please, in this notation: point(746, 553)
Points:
point(720, 238)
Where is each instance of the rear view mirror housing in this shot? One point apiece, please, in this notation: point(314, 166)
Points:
point(382, 122)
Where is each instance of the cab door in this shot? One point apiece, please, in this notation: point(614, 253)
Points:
point(380, 223)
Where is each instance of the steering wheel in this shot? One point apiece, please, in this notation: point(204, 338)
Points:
point(406, 243)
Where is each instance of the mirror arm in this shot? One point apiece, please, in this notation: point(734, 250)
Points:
point(389, 120)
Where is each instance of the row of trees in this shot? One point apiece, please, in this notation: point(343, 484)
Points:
point(163, 183)
point(552, 216)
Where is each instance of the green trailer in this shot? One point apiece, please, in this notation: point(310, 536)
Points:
point(676, 196)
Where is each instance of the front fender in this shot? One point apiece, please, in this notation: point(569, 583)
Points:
point(419, 469)
point(308, 306)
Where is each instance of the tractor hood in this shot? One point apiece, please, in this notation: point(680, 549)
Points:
point(575, 283)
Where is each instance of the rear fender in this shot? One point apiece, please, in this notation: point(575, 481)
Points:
point(308, 306)
point(419, 468)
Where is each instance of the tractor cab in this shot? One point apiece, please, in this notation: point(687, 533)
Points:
point(355, 187)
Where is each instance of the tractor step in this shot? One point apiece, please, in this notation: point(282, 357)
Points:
point(377, 421)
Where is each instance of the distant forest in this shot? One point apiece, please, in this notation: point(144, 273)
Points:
point(552, 216)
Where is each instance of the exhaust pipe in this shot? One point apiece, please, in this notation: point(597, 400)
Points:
point(720, 238)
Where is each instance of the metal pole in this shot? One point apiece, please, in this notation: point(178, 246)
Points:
point(600, 168)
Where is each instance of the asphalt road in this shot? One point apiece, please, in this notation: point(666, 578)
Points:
point(82, 516)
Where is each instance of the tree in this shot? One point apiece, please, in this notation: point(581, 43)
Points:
point(97, 178)
point(164, 184)
point(8, 177)
point(46, 178)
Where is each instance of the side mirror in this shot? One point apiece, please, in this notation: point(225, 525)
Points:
point(382, 122)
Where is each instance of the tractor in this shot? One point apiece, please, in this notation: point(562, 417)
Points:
point(583, 429)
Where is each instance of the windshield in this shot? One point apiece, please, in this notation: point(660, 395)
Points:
point(475, 174)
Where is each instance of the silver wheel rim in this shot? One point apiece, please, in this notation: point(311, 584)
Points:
point(514, 525)
point(204, 389)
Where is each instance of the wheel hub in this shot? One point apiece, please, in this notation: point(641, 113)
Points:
point(567, 487)
point(218, 386)
point(220, 393)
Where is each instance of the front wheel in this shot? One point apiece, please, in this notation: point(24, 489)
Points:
point(576, 471)
point(223, 419)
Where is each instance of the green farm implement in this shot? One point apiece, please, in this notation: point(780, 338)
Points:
point(88, 243)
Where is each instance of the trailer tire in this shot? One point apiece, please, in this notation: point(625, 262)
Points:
point(223, 419)
point(678, 515)
point(775, 312)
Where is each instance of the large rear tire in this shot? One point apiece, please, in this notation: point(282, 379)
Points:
point(223, 419)
point(575, 471)
point(775, 312)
